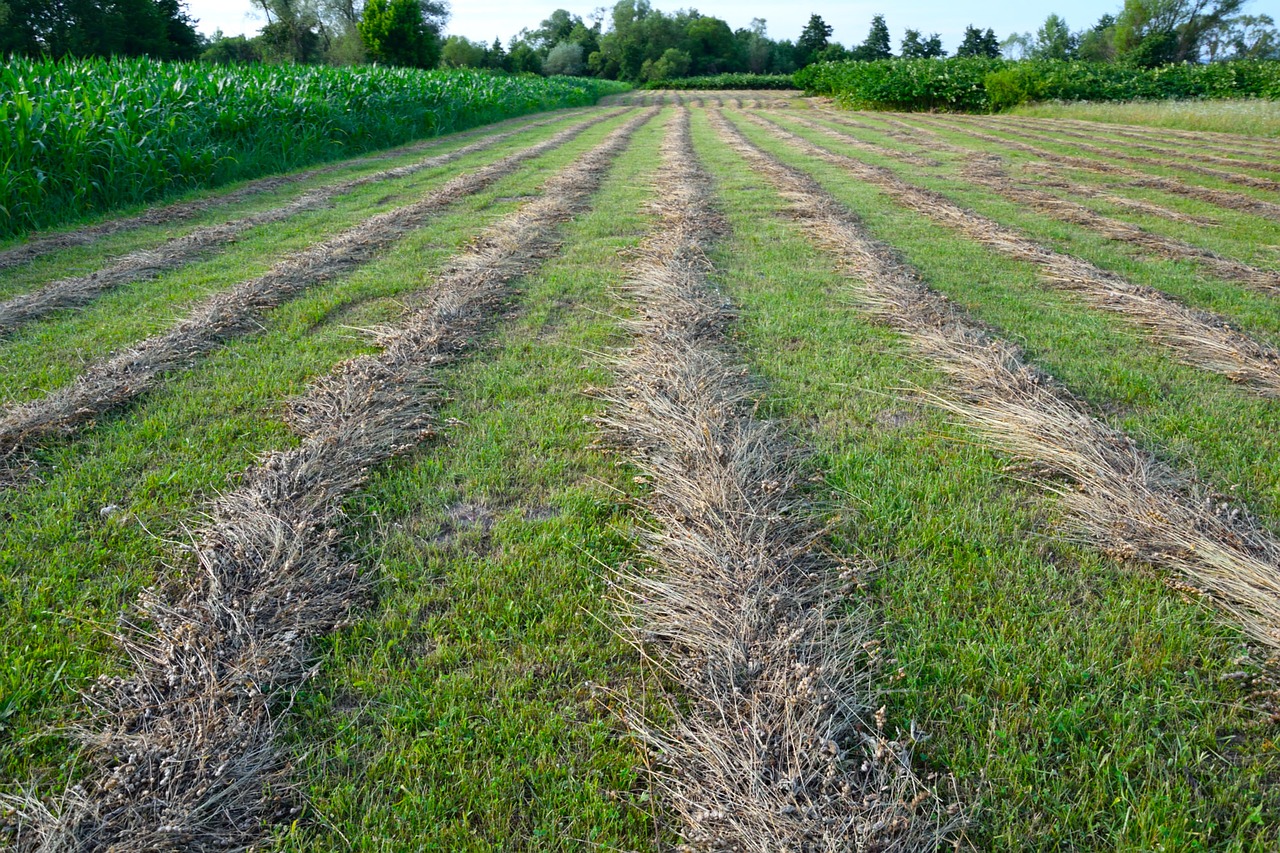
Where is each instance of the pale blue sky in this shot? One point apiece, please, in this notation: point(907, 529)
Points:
point(483, 19)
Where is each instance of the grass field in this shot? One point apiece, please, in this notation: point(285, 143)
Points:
point(706, 468)
point(1250, 118)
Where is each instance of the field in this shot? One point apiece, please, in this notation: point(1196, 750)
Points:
point(706, 468)
point(1256, 117)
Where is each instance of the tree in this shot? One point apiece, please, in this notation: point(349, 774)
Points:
point(1054, 40)
point(403, 32)
point(1243, 37)
point(565, 58)
point(225, 50)
point(1154, 32)
point(1098, 44)
point(156, 28)
point(978, 43)
point(461, 52)
point(914, 47)
point(672, 64)
point(756, 48)
point(710, 45)
point(1017, 46)
point(877, 44)
point(523, 59)
point(813, 39)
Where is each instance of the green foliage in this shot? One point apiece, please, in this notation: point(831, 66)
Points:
point(564, 58)
point(1054, 40)
point(155, 28)
point(979, 44)
point(90, 135)
point(727, 82)
point(398, 33)
point(903, 84)
point(973, 84)
point(813, 39)
point(914, 47)
point(877, 44)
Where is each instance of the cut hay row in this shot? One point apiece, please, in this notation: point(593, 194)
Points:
point(183, 210)
point(185, 744)
point(1181, 152)
point(992, 177)
point(1199, 339)
point(1050, 177)
point(1121, 499)
point(1024, 132)
point(1222, 198)
point(80, 290)
point(985, 171)
point(111, 383)
point(1249, 146)
point(773, 745)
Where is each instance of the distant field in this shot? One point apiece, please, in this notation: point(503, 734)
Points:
point(706, 467)
point(1249, 118)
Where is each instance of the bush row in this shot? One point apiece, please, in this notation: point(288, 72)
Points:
point(89, 135)
point(726, 81)
point(986, 85)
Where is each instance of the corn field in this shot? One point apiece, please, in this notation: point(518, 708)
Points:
point(91, 135)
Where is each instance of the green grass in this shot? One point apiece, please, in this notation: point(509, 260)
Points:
point(1196, 420)
point(81, 260)
point(1248, 118)
point(473, 704)
point(66, 571)
point(1080, 703)
point(474, 708)
point(52, 352)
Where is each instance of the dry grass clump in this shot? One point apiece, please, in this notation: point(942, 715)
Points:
point(1133, 177)
point(183, 747)
point(115, 381)
point(777, 744)
point(139, 266)
point(1122, 500)
point(1200, 339)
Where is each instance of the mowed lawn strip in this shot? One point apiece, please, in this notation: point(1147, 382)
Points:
point(1255, 311)
point(77, 546)
point(1195, 420)
point(472, 709)
point(82, 248)
point(1084, 704)
point(51, 353)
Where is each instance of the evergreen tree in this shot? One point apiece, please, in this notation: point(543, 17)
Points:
point(877, 44)
point(978, 43)
point(813, 40)
point(1054, 40)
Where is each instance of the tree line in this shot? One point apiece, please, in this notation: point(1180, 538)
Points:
point(631, 41)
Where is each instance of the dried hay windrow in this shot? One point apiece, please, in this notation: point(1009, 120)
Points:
point(1245, 146)
point(984, 173)
point(183, 210)
point(1023, 130)
point(186, 744)
point(1222, 198)
point(1121, 499)
point(1184, 153)
point(238, 311)
point(1198, 338)
point(139, 266)
point(1180, 148)
point(777, 744)
point(1053, 177)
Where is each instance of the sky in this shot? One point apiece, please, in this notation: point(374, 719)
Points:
point(482, 20)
